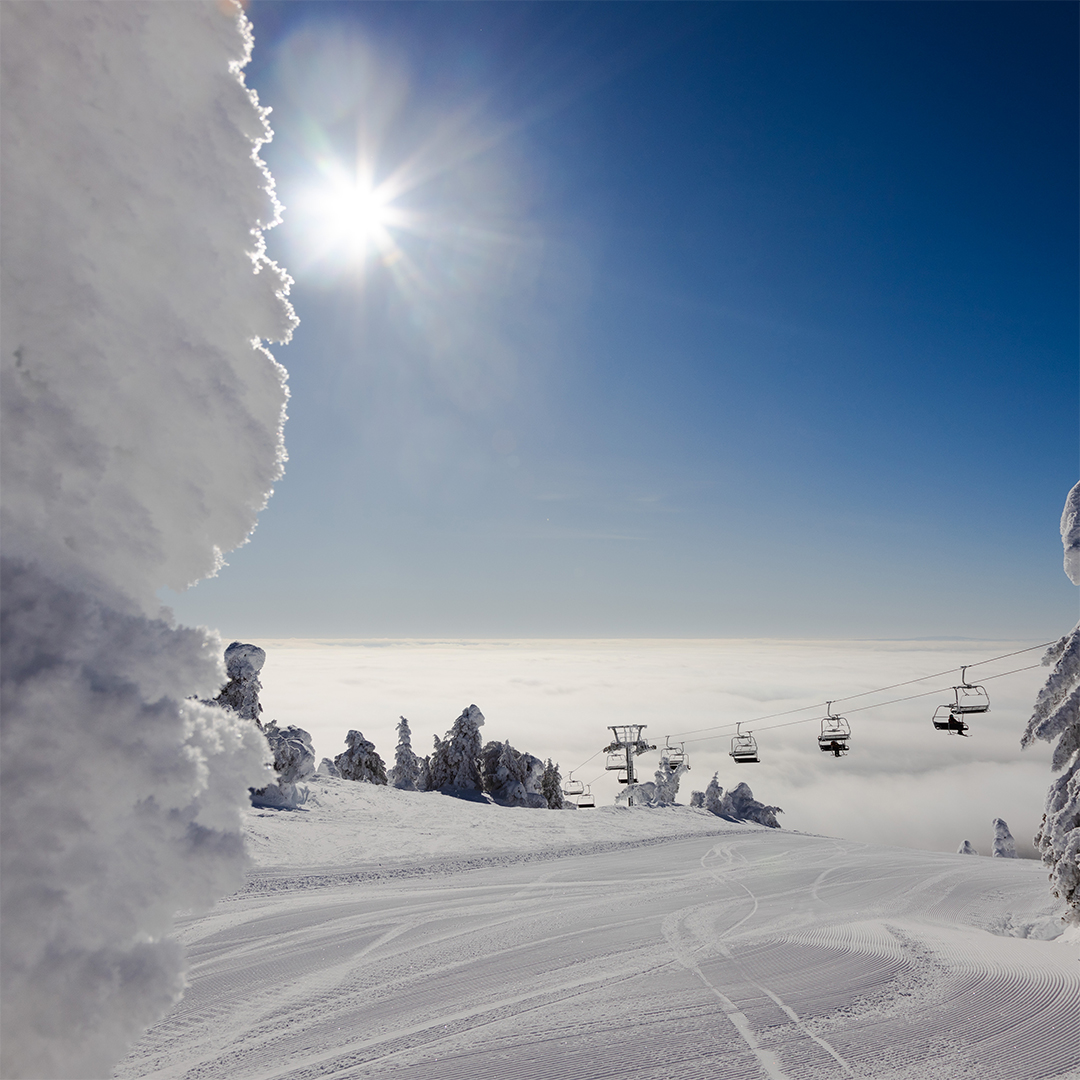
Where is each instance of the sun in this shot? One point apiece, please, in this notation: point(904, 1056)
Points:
point(348, 218)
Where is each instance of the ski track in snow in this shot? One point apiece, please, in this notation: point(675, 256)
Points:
point(753, 953)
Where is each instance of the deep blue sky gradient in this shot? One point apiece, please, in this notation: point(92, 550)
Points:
point(773, 331)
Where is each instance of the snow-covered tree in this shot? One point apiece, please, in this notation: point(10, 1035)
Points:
point(1004, 846)
point(713, 795)
point(551, 786)
point(1057, 716)
point(241, 693)
point(667, 782)
point(359, 760)
point(966, 849)
point(455, 761)
point(697, 800)
point(294, 760)
point(328, 769)
point(511, 777)
point(739, 803)
point(407, 771)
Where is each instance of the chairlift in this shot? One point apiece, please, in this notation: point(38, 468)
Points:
point(573, 787)
point(946, 718)
point(969, 698)
point(616, 760)
point(623, 777)
point(744, 747)
point(835, 733)
point(586, 800)
point(675, 756)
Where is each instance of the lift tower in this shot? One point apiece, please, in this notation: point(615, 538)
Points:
point(628, 743)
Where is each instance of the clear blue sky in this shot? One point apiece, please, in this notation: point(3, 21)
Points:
point(751, 319)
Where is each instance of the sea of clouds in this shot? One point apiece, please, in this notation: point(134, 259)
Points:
point(903, 782)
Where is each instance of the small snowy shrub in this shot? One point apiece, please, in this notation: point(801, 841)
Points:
point(408, 768)
point(1004, 846)
point(359, 760)
point(1057, 716)
point(328, 769)
point(455, 761)
point(966, 849)
point(697, 800)
point(241, 693)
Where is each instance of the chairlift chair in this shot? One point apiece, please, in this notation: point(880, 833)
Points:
point(586, 801)
point(623, 777)
point(969, 698)
point(946, 718)
point(835, 733)
point(675, 755)
point(744, 747)
point(573, 787)
point(616, 760)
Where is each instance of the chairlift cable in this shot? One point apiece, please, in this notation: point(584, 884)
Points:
point(861, 708)
point(867, 693)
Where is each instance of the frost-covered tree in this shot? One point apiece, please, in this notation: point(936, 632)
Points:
point(1004, 846)
point(966, 848)
point(667, 783)
point(713, 795)
point(511, 777)
point(407, 771)
point(241, 693)
point(551, 786)
point(455, 761)
point(739, 803)
point(697, 800)
point(1057, 716)
point(328, 769)
point(294, 760)
point(359, 760)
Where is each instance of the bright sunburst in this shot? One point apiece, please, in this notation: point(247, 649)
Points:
point(349, 217)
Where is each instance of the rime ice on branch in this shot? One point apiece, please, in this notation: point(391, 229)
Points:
point(140, 434)
point(1057, 716)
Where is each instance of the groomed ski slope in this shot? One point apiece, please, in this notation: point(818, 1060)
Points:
point(387, 933)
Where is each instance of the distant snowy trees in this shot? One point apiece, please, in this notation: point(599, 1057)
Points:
point(360, 760)
point(1057, 716)
point(738, 804)
point(1004, 846)
point(455, 761)
point(243, 663)
point(966, 848)
point(408, 773)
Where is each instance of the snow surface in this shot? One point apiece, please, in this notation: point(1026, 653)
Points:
point(386, 932)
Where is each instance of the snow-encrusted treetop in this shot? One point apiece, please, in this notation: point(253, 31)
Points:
point(242, 660)
point(1070, 534)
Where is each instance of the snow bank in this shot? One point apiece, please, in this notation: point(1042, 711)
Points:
point(141, 432)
